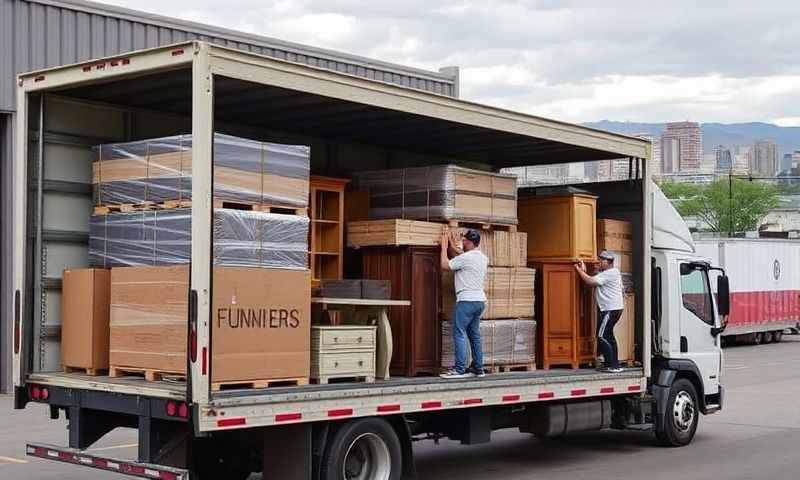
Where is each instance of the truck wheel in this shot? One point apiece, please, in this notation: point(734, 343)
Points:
point(757, 338)
point(777, 336)
point(365, 449)
point(767, 337)
point(681, 416)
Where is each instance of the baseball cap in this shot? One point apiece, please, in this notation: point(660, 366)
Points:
point(473, 236)
point(606, 255)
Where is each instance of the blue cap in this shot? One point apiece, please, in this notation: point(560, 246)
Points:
point(473, 236)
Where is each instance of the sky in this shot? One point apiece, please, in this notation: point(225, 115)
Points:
point(640, 61)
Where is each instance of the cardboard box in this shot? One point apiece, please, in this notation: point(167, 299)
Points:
point(624, 331)
point(503, 342)
point(614, 235)
point(85, 310)
point(260, 320)
point(509, 293)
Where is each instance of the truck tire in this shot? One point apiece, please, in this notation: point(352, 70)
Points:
point(767, 337)
point(681, 415)
point(777, 336)
point(758, 339)
point(366, 449)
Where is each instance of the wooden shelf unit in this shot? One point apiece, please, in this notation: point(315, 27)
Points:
point(327, 227)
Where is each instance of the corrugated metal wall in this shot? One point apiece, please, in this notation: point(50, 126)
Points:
point(40, 34)
point(6, 148)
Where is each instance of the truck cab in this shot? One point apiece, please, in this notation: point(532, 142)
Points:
point(688, 319)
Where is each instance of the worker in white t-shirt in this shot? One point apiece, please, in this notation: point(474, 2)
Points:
point(608, 284)
point(469, 270)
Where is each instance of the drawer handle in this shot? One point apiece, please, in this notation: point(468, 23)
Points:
point(360, 339)
point(335, 339)
point(361, 363)
point(335, 364)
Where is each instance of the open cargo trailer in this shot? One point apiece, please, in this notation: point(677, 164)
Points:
point(352, 125)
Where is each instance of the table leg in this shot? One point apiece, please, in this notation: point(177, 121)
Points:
point(384, 354)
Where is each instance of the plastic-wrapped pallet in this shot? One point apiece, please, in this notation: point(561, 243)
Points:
point(510, 293)
point(242, 238)
point(503, 342)
point(160, 170)
point(445, 192)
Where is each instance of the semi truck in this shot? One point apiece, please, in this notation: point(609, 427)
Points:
point(346, 430)
point(765, 286)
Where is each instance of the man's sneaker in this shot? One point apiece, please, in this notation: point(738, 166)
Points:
point(454, 374)
point(478, 373)
point(611, 370)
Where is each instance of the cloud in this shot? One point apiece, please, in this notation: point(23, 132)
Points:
point(575, 60)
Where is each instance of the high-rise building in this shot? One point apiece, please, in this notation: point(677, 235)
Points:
point(796, 159)
point(723, 158)
point(765, 159)
point(742, 159)
point(656, 163)
point(682, 147)
point(786, 164)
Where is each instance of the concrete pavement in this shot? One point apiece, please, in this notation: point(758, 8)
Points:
point(756, 436)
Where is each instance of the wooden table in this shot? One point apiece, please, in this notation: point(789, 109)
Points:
point(368, 312)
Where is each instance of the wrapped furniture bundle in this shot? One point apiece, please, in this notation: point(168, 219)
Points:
point(504, 342)
point(509, 293)
point(444, 192)
point(160, 170)
point(242, 238)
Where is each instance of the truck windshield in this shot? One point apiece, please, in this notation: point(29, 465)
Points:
point(696, 294)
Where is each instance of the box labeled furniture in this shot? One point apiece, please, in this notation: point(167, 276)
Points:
point(85, 309)
point(559, 227)
point(444, 192)
point(343, 351)
point(414, 274)
point(260, 320)
point(509, 343)
point(566, 333)
point(510, 293)
point(159, 170)
point(242, 238)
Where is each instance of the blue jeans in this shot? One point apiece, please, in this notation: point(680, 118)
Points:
point(467, 322)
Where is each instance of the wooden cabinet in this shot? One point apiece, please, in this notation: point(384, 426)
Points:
point(559, 227)
point(342, 352)
point(566, 329)
point(414, 274)
point(327, 228)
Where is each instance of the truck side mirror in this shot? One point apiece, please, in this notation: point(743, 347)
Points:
point(723, 295)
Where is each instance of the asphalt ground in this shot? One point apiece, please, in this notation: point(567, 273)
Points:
point(757, 435)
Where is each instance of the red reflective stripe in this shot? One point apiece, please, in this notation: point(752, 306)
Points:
point(204, 365)
point(607, 390)
point(546, 395)
point(66, 456)
point(511, 398)
point(167, 475)
point(128, 468)
point(87, 68)
point(578, 392)
point(288, 417)
point(432, 404)
point(177, 52)
point(99, 462)
point(39, 78)
point(231, 422)
point(388, 408)
point(125, 61)
point(472, 401)
point(341, 412)
point(634, 388)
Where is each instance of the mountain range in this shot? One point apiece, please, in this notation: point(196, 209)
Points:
point(728, 134)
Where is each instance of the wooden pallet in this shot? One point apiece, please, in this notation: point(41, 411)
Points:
point(481, 225)
point(150, 375)
point(86, 371)
point(258, 384)
point(138, 207)
point(261, 207)
point(344, 379)
point(512, 367)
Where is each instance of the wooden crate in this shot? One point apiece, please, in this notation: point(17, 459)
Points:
point(393, 233)
point(509, 293)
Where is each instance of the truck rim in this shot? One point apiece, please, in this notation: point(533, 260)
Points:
point(683, 411)
point(367, 458)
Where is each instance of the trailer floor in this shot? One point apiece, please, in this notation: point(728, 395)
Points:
point(177, 390)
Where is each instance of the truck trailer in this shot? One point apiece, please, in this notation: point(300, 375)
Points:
point(765, 286)
point(346, 430)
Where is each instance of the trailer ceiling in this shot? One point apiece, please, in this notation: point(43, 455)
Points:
point(344, 121)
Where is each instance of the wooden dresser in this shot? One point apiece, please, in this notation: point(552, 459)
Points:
point(415, 275)
point(342, 351)
point(566, 333)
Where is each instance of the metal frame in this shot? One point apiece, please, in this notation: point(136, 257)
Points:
point(224, 411)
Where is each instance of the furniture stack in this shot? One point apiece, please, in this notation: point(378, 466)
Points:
point(409, 210)
point(561, 232)
point(505, 344)
point(142, 231)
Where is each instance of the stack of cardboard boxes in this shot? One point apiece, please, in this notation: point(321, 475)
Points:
point(260, 306)
point(616, 236)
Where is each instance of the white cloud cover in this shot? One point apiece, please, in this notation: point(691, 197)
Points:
point(724, 61)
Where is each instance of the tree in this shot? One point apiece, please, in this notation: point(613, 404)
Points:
point(714, 205)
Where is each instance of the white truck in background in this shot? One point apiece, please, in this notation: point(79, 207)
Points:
point(348, 430)
point(764, 283)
